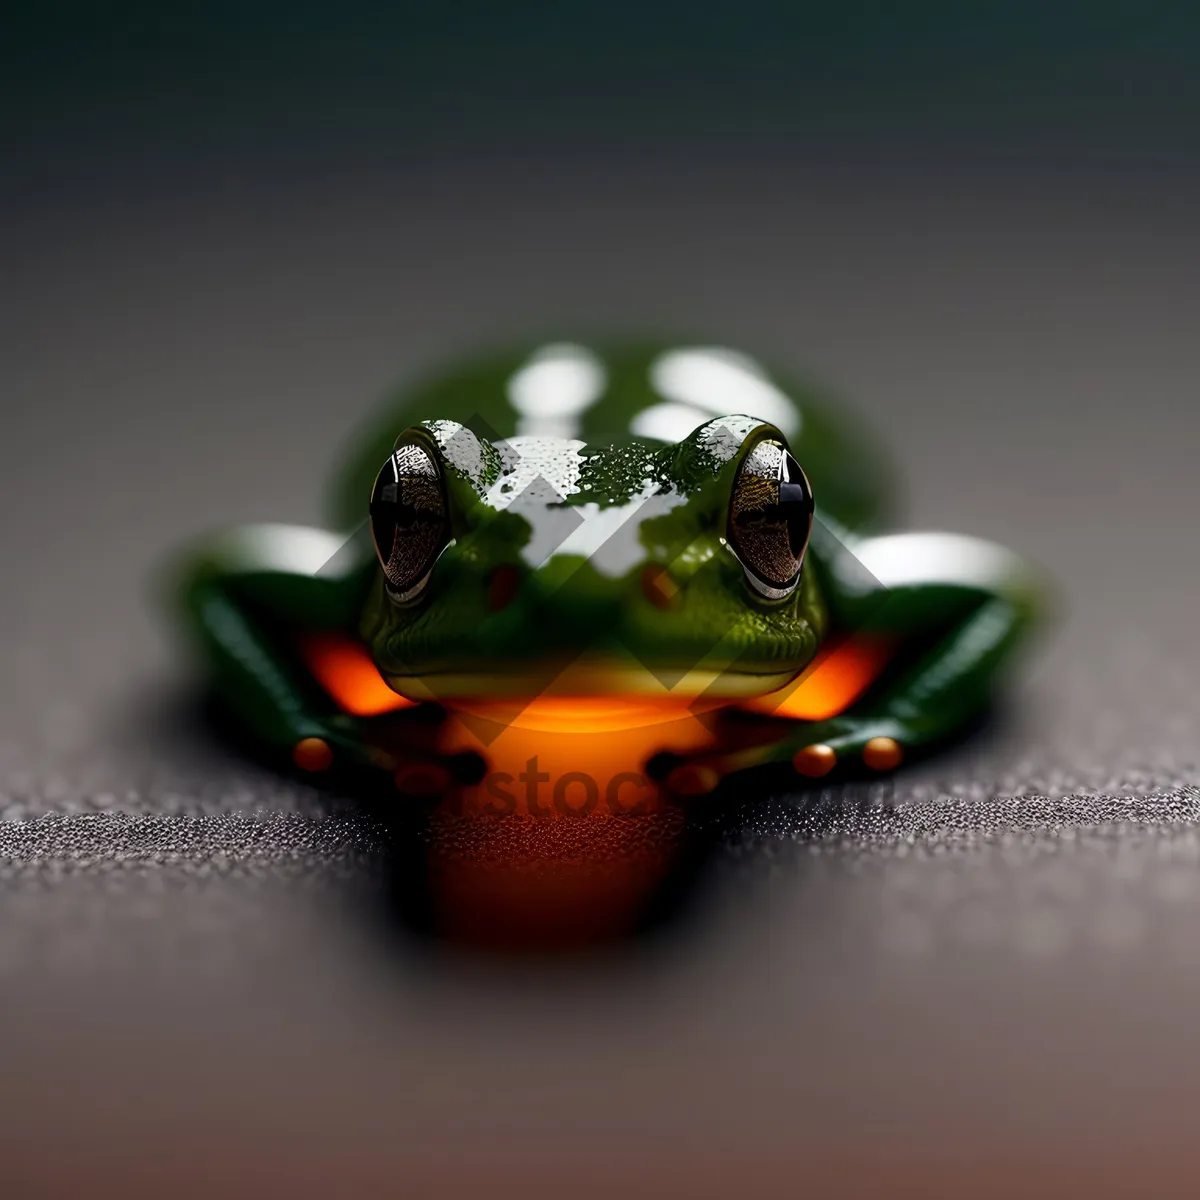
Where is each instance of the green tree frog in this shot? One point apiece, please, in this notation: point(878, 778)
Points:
point(620, 539)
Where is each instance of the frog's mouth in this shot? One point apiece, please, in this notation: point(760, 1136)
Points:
point(575, 699)
point(610, 691)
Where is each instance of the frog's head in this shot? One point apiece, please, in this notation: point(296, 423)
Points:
point(539, 564)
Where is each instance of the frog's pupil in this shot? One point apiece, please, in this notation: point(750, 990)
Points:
point(796, 501)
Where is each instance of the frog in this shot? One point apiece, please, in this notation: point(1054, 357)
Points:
point(654, 528)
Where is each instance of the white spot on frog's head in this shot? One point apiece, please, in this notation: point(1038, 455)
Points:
point(553, 388)
point(545, 468)
point(609, 538)
point(723, 438)
point(700, 382)
point(539, 474)
point(462, 450)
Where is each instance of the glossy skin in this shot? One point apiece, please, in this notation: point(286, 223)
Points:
point(587, 500)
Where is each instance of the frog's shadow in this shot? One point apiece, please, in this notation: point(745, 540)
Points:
point(398, 882)
point(422, 877)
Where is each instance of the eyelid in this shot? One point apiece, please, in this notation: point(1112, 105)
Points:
point(765, 590)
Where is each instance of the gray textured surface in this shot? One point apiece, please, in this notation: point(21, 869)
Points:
point(1002, 962)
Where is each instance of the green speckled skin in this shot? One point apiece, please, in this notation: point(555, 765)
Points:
point(576, 468)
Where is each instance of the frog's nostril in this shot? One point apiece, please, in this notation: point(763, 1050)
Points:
point(502, 587)
point(659, 587)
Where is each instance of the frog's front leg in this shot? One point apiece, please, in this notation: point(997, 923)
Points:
point(952, 607)
point(249, 596)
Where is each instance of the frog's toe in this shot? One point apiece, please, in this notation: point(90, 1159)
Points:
point(312, 754)
point(883, 754)
point(815, 760)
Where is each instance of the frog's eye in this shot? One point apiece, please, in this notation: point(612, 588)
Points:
point(770, 518)
point(409, 521)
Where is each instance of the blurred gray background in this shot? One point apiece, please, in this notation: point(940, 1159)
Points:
point(225, 237)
